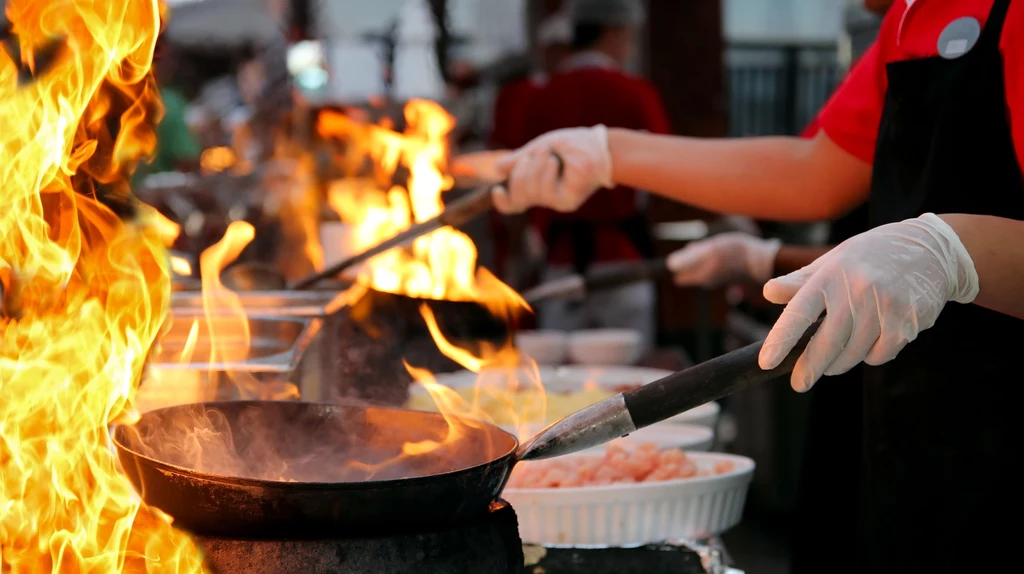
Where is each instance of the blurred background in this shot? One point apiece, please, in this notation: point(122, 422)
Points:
point(244, 81)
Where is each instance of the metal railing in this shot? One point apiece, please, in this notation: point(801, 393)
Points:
point(776, 87)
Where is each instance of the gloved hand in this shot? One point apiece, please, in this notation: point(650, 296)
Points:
point(533, 171)
point(879, 289)
point(726, 258)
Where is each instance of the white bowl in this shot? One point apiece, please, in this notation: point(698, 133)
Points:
point(687, 437)
point(544, 347)
point(605, 346)
point(635, 514)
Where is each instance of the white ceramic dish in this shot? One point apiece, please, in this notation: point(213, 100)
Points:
point(570, 378)
point(605, 346)
point(635, 514)
point(544, 347)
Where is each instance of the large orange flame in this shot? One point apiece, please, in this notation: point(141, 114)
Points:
point(91, 291)
point(441, 265)
point(228, 329)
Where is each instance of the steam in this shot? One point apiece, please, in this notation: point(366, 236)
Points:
point(300, 442)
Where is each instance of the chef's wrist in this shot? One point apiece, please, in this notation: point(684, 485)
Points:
point(761, 255)
point(604, 165)
point(618, 144)
point(963, 275)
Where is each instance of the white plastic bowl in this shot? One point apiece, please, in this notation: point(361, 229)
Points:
point(605, 346)
point(544, 347)
point(635, 514)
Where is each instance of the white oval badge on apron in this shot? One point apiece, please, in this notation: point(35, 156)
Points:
point(959, 37)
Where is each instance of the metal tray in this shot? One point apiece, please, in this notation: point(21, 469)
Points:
point(277, 349)
point(276, 344)
point(318, 366)
point(309, 304)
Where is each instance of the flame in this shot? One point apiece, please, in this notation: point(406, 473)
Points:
point(165, 228)
point(441, 265)
point(190, 343)
point(90, 289)
point(227, 321)
point(217, 159)
point(502, 373)
point(180, 266)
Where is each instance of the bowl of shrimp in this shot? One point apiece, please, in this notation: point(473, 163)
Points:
point(629, 494)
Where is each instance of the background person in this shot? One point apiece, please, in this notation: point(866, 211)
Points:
point(591, 87)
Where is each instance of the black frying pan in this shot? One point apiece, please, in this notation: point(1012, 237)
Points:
point(238, 487)
point(222, 496)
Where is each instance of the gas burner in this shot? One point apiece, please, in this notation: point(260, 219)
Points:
point(490, 545)
point(651, 559)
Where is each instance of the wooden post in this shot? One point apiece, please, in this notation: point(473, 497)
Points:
point(684, 51)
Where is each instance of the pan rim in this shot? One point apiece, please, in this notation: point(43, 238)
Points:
point(238, 481)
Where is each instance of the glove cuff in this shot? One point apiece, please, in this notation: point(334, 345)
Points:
point(963, 276)
point(761, 258)
point(605, 178)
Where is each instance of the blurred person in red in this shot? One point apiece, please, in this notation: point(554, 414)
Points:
point(514, 250)
point(591, 87)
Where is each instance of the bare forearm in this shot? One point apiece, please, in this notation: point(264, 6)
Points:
point(791, 258)
point(996, 246)
point(779, 178)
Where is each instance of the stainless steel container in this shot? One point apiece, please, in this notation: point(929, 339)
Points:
point(183, 367)
point(316, 368)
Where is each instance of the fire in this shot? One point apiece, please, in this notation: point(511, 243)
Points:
point(91, 291)
point(217, 159)
point(503, 372)
point(167, 229)
point(227, 321)
point(441, 265)
point(180, 266)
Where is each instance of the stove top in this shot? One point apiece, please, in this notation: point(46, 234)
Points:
point(490, 545)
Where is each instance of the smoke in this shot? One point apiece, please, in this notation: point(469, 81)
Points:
point(302, 442)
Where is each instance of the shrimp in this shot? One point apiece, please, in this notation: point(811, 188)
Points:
point(620, 464)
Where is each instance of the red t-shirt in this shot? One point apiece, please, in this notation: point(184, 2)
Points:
point(508, 130)
point(586, 97)
point(911, 30)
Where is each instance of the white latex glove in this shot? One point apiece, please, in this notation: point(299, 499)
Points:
point(532, 171)
point(879, 289)
point(727, 258)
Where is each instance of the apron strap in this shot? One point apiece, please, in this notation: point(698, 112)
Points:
point(993, 31)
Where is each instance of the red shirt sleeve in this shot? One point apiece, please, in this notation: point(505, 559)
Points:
point(812, 129)
point(852, 115)
point(1013, 60)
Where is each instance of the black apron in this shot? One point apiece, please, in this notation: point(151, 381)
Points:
point(825, 525)
point(944, 425)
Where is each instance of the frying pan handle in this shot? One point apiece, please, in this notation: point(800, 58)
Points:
point(479, 201)
point(625, 413)
point(467, 208)
point(708, 381)
point(609, 278)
